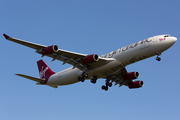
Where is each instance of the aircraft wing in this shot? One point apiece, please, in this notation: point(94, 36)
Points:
point(69, 57)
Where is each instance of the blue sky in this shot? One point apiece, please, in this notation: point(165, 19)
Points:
point(88, 27)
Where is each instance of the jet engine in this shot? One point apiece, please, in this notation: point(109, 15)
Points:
point(50, 50)
point(136, 84)
point(90, 59)
point(131, 76)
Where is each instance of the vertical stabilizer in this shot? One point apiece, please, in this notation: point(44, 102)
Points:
point(44, 71)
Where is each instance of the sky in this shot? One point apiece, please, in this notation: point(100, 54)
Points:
point(88, 27)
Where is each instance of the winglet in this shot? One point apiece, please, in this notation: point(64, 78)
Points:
point(6, 36)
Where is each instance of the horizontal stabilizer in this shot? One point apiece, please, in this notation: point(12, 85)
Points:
point(29, 77)
point(35, 79)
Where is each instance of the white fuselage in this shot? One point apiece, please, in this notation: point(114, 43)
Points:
point(120, 58)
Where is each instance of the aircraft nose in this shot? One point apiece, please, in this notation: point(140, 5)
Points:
point(173, 39)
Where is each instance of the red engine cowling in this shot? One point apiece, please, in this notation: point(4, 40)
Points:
point(50, 50)
point(131, 76)
point(90, 59)
point(136, 84)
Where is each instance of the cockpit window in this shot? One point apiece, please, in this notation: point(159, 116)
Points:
point(167, 36)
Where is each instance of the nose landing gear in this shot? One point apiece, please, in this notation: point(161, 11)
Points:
point(158, 58)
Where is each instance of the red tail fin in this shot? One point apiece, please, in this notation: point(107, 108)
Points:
point(44, 71)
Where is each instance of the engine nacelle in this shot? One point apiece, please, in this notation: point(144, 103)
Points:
point(136, 84)
point(131, 76)
point(90, 59)
point(50, 50)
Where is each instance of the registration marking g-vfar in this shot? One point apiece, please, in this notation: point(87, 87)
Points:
point(124, 49)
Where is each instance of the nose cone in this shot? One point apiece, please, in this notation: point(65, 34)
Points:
point(165, 43)
point(173, 39)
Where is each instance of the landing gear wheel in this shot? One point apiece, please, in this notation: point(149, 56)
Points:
point(106, 88)
point(158, 58)
point(79, 78)
point(93, 79)
point(82, 79)
point(103, 87)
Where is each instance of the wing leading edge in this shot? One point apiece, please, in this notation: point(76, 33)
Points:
point(69, 57)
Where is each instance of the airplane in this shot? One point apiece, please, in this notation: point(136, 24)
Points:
point(110, 66)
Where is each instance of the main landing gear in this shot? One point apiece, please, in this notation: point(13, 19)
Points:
point(93, 79)
point(158, 58)
point(108, 84)
point(83, 77)
point(84, 74)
